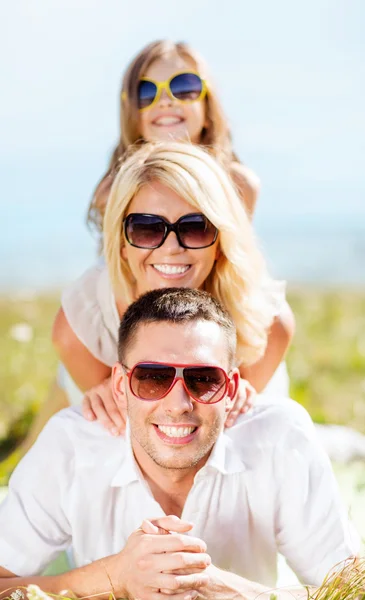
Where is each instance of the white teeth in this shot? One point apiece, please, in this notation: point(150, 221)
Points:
point(171, 269)
point(176, 432)
point(167, 121)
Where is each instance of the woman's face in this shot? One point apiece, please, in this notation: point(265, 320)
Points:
point(168, 118)
point(171, 265)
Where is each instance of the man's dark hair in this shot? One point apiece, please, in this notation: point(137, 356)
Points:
point(175, 305)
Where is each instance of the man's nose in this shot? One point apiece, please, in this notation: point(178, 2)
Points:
point(177, 401)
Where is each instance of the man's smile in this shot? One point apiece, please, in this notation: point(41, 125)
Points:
point(176, 434)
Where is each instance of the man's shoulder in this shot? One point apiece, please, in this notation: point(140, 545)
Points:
point(76, 436)
point(271, 422)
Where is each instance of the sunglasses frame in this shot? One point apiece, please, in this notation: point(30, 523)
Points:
point(168, 228)
point(179, 376)
point(165, 85)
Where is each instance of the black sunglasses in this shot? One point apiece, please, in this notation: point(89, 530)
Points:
point(193, 231)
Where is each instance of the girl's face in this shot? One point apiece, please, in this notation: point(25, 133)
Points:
point(168, 118)
point(171, 265)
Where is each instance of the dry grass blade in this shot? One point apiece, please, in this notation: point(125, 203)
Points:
point(347, 582)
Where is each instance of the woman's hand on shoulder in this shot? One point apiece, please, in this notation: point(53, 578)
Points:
point(244, 401)
point(99, 404)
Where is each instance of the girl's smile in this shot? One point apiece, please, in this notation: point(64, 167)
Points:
point(168, 118)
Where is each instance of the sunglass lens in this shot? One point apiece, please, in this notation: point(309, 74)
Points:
point(196, 231)
point(151, 382)
point(206, 384)
point(144, 231)
point(186, 86)
point(146, 93)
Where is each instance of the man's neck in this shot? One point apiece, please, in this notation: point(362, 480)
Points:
point(169, 487)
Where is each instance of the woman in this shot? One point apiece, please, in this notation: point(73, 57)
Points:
point(173, 217)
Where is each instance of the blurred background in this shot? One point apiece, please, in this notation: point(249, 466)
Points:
point(292, 79)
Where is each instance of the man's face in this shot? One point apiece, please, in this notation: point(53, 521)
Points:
point(153, 423)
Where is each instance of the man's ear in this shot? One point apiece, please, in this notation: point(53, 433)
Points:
point(233, 389)
point(118, 377)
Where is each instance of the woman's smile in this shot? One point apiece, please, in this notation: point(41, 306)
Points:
point(171, 271)
point(158, 267)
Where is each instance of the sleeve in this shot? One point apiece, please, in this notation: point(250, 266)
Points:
point(313, 531)
point(34, 526)
point(90, 309)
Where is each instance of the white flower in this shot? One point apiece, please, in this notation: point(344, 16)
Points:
point(35, 593)
point(21, 332)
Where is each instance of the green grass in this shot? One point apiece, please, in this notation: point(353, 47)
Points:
point(26, 367)
point(326, 361)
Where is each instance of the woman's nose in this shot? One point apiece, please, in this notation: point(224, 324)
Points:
point(171, 243)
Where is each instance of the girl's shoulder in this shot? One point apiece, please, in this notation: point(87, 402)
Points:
point(90, 309)
point(247, 184)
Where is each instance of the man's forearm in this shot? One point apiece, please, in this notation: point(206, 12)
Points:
point(85, 581)
point(224, 585)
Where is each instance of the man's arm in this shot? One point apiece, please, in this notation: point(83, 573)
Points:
point(213, 583)
point(86, 581)
point(34, 525)
point(223, 585)
point(150, 566)
point(313, 531)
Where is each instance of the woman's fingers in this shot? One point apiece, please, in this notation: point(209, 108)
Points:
point(244, 401)
point(99, 404)
point(87, 411)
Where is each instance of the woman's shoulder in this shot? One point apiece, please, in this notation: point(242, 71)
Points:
point(90, 309)
point(90, 289)
point(247, 184)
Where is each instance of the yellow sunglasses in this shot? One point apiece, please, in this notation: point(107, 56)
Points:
point(186, 86)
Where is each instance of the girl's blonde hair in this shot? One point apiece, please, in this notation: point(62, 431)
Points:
point(238, 279)
point(215, 135)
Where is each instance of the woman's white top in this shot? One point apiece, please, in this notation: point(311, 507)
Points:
point(91, 311)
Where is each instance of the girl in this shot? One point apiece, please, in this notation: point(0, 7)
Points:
point(167, 94)
point(173, 218)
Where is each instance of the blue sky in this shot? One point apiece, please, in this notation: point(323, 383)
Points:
point(291, 76)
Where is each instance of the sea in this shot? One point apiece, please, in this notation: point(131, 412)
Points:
point(45, 244)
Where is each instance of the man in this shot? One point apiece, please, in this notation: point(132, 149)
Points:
point(166, 509)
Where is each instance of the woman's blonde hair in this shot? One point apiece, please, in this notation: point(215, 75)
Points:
point(238, 279)
point(215, 135)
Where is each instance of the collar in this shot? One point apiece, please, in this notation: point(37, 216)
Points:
point(128, 470)
point(223, 458)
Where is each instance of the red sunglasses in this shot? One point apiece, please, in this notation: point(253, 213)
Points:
point(153, 381)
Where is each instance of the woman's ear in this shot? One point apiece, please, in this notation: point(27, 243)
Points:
point(233, 389)
point(218, 252)
point(118, 383)
point(123, 252)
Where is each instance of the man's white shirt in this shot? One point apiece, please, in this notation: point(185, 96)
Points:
point(267, 487)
